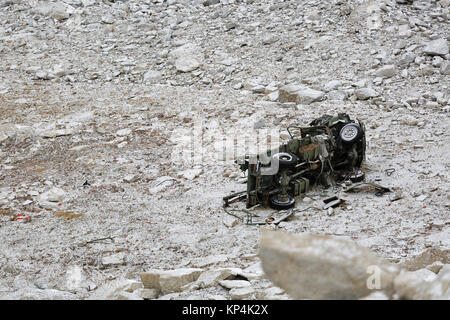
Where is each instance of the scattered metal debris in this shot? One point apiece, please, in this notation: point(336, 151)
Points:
point(21, 217)
point(84, 243)
point(389, 171)
point(376, 186)
point(86, 184)
point(332, 202)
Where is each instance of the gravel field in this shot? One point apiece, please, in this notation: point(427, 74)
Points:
point(96, 98)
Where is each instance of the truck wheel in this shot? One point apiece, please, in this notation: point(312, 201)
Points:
point(281, 205)
point(350, 132)
point(285, 160)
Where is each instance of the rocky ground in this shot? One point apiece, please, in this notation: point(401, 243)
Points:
point(97, 99)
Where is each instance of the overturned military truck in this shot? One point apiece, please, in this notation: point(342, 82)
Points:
point(330, 150)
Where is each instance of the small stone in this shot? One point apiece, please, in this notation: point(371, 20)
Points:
point(131, 178)
point(169, 281)
point(57, 11)
point(190, 174)
point(231, 284)
point(377, 295)
point(209, 260)
point(147, 294)
point(210, 2)
point(386, 71)
point(274, 96)
point(406, 59)
point(111, 290)
point(115, 259)
point(435, 266)
point(123, 132)
point(332, 85)
point(128, 296)
point(238, 86)
point(258, 89)
point(445, 68)
point(307, 200)
point(269, 292)
point(56, 133)
point(211, 278)
point(330, 212)
point(230, 222)
point(254, 272)
point(422, 196)
point(187, 64)
point(270, 39)
point(366, 93)
point(241, 293)
point(56, 195)
point(404, 31)
point(108, 19)
point(186, 57)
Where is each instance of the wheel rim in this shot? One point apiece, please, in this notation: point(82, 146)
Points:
point(349, 132)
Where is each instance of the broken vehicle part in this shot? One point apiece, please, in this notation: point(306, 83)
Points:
point(376, 186)
point(327, 151)
point(234, 197)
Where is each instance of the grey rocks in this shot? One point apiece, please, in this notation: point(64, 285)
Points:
point(387, 71)
point(300, 94)
point(57, 10)
point(366, 93)
point(311, 266)
point(438, 47)
point(186, 58)
point(169, 281)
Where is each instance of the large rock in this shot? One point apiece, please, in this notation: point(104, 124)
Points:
point(269, 293)
point(311, 266)
point(439, 288)
point(426, 258)
point(147, 294)
point(152, 76)
point(169, 281)
point(412, 284)
point(438, 47)
point(299, 94)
